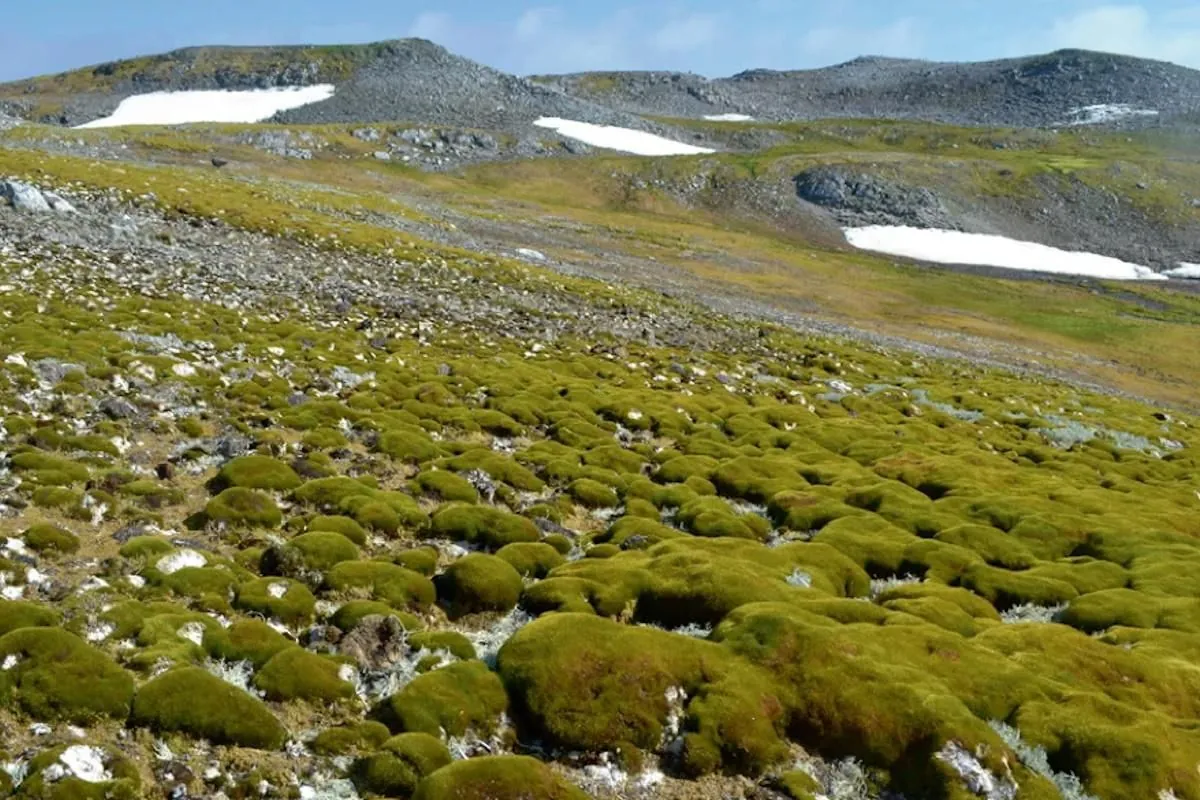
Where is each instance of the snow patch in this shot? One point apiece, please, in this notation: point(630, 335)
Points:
point(178, 108)
point(729, 118)
point(1184, 270)
point(1107, 112)
point(986, 250)
point(623, 140)
point(182, 559)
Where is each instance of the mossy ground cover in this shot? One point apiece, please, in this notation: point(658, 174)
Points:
point(727, 555)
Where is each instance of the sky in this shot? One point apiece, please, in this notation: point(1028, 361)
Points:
point(710, 37)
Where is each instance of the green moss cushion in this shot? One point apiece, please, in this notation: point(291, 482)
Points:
point(56, 675)
point(497, 778)
point(192, 701)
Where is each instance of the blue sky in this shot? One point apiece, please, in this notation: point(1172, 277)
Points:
point(712, 37)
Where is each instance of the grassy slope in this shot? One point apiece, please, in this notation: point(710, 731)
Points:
point(1134, 337)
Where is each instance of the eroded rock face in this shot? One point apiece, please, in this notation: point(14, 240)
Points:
point(862, 199)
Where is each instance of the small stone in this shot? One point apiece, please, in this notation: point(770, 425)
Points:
point(218, 162)
point(118, 408)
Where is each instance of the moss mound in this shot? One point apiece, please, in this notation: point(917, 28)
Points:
point(463, 696)
point(257, 472)
point(287, 600)
point(398, 587)
point(16, 614)
point(191, 701)
point(482, 525)
point(446, 485)
point(50, 539)
point(243, 508)
point(335, 524)
point(56, 675)
point(400, 764)
point(477, 583)
point(452, 642)
point(322, 550)
point(297, 674)
point(593, 684)
point(245, 640)
point(347, 739)
point(531, 559)
point(497, 778)
point(350, 614)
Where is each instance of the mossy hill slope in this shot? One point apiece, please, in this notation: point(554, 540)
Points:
point(321, 488)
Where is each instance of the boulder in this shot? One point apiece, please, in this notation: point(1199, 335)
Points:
point(23, 197)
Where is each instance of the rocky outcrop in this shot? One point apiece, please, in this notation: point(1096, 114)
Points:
point(858, 198)
point(24, 197)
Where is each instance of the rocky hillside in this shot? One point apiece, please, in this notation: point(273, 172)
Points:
point(406, 80)
point(417, 81)
point(1050, 90)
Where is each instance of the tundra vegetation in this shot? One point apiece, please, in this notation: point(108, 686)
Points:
point(331, 542)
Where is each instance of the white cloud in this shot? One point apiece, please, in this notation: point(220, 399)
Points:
point(1132, 30)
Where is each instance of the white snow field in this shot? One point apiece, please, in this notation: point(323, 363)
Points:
point(1107, 112)
point(985, 250)
point(623, 140)
point(1185, 270)
point(178, 108)
point(730, 118)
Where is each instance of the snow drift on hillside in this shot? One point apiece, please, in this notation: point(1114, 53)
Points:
point(624, 140)
point(1107, 112)
point(177, 108)
point(1185, 270)
point(955, 247)
point(729, 118)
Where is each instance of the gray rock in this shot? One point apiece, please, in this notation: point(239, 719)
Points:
point(382, 155)
point(58, 203)
point(51, 371)
point(377, 642)
point(119, 408)
point(859, 198)
point(23, 197)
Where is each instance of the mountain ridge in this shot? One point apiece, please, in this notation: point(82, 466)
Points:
point(386, 80)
